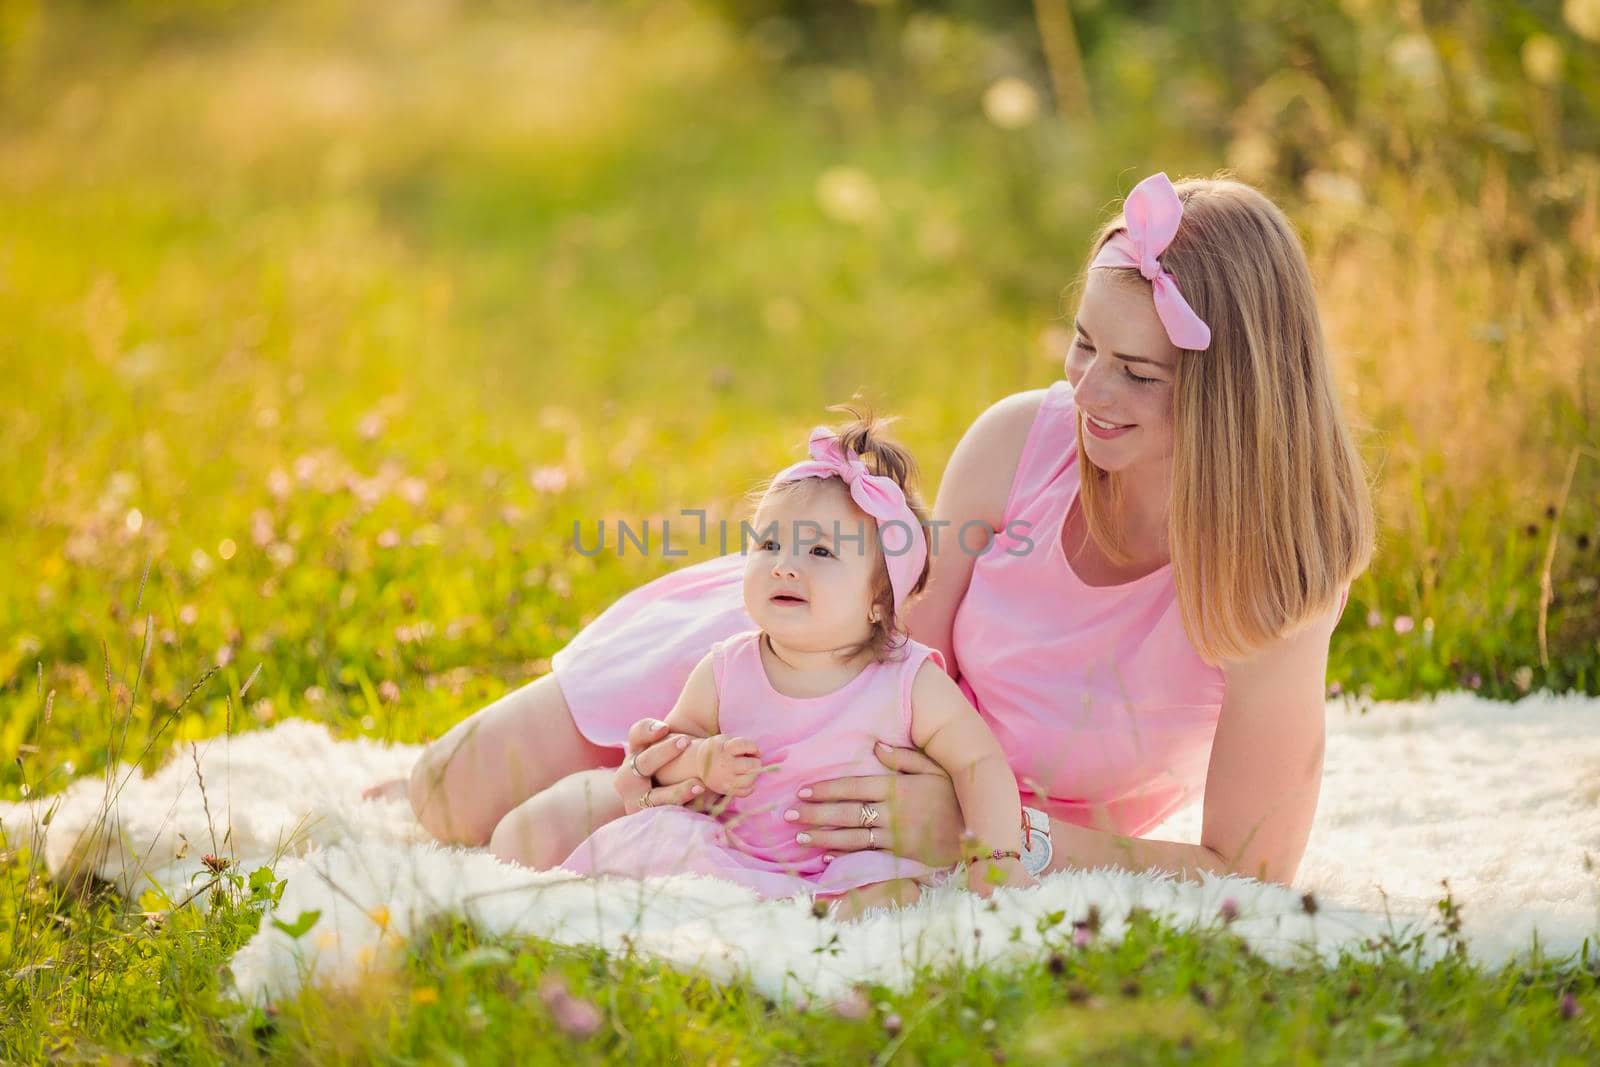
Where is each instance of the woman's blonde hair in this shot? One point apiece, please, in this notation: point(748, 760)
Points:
point(867, 435)
point(1271, 511)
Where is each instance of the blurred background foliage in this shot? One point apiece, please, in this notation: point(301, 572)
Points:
point(325, 322)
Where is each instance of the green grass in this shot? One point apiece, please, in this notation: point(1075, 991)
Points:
point(386, 296)
point(1157, 995)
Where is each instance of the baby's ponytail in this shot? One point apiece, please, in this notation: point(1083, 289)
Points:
point(867, 435)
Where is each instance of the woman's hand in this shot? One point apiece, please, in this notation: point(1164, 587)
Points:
point(917, 813)
point(649, 749)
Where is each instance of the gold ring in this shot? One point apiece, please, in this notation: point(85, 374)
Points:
point(869, 815)
point(872, 837)
point(645, 801)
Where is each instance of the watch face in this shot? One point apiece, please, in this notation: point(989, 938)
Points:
point(1037, 851)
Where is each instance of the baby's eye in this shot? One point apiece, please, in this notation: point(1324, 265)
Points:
point(825, 553)
point(769, 545)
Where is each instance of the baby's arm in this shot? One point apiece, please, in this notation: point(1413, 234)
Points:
point(726, 765)
point(946, 726)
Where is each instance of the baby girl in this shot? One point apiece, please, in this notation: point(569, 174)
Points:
point(839, 545)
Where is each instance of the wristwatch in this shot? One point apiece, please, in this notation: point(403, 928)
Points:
point(1036, 849)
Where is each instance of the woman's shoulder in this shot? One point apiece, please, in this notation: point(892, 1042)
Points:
point(1013, 416)
point(1045, 431)
point(1011, 423)
point(979, 476)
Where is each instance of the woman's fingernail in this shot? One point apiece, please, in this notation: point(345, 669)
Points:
point(881, 747)
point(791, 815)
point(805, 792)
point(697, 790)
point(804, 839)
point(657, 725)
point(828, 858)
point(683, 742)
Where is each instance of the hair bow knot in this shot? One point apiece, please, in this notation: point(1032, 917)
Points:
point(1151, 215)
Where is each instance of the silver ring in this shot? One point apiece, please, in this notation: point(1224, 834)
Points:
point(634, 763)
point(872, 837)
point(869, 815)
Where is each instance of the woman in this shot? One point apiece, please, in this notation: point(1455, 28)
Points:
point(1175, 529)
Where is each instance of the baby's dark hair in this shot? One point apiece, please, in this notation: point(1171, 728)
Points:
point(867, 435)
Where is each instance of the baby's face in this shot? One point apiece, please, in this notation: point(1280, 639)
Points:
point(809, 567)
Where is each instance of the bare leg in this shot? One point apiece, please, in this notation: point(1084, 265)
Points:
point(487, 764)
point(893, 893)
point(544, 829)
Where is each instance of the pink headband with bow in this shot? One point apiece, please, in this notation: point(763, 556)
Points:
point(878, 496)
point(1152, 213)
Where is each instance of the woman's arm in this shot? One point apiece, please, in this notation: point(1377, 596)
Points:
point(1262, 783)
point(1261, 787)
point(975, 487)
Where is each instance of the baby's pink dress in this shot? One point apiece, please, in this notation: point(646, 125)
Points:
point(808, 739)
point(1102, 704)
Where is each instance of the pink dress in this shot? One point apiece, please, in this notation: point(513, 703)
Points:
point(1095, 692)
point(1100, 702)
point(808, 739)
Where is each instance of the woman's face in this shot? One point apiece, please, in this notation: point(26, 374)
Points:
point(809, 567)
point(1122, 366)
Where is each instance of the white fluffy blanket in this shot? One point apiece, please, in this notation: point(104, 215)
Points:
point(1503, 800)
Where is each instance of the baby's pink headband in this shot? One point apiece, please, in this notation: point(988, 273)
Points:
point(876, 494)
point(1152, 213)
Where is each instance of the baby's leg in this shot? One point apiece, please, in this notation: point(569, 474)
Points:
point(467, 780)
point(896, 892)
point(544, 829)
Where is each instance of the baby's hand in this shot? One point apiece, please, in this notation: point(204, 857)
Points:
point(729, 765)
point(985, 876)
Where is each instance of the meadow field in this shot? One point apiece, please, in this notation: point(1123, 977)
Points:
point(322, 324)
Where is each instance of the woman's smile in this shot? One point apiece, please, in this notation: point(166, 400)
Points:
point(1105, 430)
